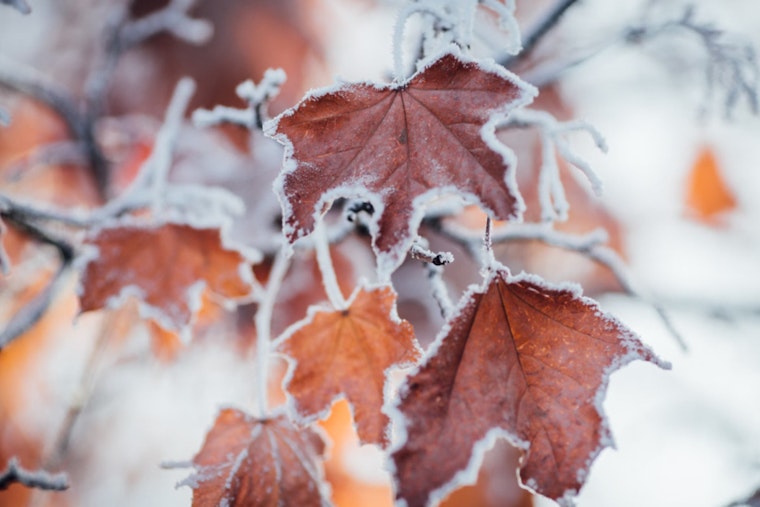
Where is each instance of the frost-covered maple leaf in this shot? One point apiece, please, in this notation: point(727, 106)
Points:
point(523, 360)
point(398, 146)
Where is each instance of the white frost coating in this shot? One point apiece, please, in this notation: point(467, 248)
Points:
point(326, 268)
point(203, 118)
point(507, 22)
point(268, 87)
point(469, 475)
point(551, 194)
point(423, 7)
point(255, 95)
point(263, 323)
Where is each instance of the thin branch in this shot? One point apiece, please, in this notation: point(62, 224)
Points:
point(551, 193)
point(326, 268)
point(421, 253)
point(38, 479)
point(28, 82)
point(438, 289)
point(534, 35)
point(263, 323)
point(257, 97)
point(32, 312)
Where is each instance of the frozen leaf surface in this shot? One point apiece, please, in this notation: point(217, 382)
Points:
point(348, 352)
point(167, 267)
point(256, 463)
point(399, 146)
point(523, 360)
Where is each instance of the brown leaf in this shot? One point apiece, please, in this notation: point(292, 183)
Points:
point(249, 462)
point(168, 266)
point(399, 145)
point(523, 360)
point(347, 352)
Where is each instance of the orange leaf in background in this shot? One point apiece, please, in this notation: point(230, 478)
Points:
point(400, 145)
point(347, 352)
point(707, 194)
point(168, 266)
point(249, 462)
point(523, 360)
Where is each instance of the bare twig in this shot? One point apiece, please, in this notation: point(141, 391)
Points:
point(35, 309)
point(37, 479)
point(731, 66)
point(19, 5)
point(26, 81)
point(539, 30)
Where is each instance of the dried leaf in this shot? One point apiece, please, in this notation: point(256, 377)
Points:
point(707, 194)
point(167, 267)
point(399, 146)
point(347, 352)
point(522, 360)
point(258, 462)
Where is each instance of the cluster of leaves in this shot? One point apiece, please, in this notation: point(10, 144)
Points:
point(517, 358)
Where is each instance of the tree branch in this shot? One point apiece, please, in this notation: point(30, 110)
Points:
point(38, 479)
point(539, 30)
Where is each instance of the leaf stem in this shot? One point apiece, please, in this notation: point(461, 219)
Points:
point(263, 323)
point(326, 268)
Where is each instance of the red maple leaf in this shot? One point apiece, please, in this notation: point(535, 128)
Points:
point(347, 352)
point(522, 360)
point(399, 146)
point(166, 266)
point(249, 462)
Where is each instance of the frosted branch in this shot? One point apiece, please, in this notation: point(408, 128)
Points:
point(541, 27)
point(174, 19)
point(505, 13)
point(326, 268)
point(29, 82)
point(551, 194)
point(440, 20)
point(31, 313)
point(731, 66)
point(39, 479)
point(263, 323)
point(19, 5)
point(257, 97)
point(439, 290)
point(420, 252)
point(149, 187)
